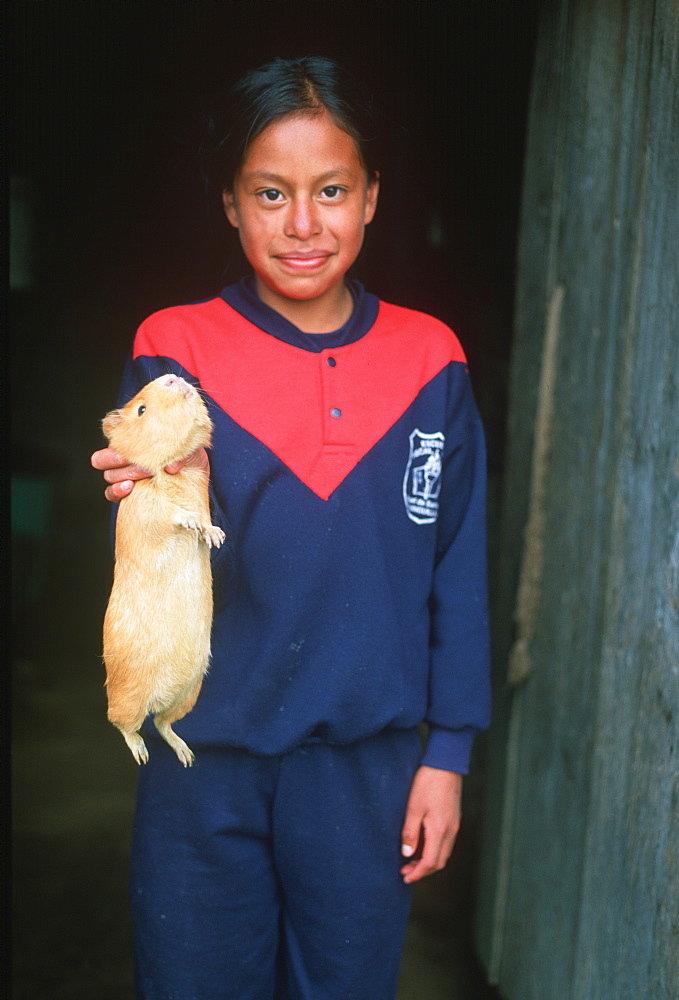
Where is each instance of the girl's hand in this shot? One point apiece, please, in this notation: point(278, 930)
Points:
point(431, 823)
point(117, 472)
point(122, 476)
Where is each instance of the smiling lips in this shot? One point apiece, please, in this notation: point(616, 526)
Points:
point(303, 260)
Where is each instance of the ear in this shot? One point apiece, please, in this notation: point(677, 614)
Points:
point(371, 198)
point(230, 207)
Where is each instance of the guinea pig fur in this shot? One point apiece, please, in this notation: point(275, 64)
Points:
point(159, 615)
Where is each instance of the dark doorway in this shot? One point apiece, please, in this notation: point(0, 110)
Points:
point(110, 223)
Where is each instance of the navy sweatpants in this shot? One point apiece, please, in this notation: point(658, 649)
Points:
point(272, 878)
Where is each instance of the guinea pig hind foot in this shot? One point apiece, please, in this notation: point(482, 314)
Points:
point(137, 746)
point(184, 752)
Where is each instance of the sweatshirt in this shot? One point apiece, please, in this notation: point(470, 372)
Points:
point(348, 472)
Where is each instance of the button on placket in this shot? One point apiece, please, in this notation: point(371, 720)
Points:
point(330, 367)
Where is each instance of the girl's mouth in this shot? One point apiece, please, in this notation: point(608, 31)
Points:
point(304, 260)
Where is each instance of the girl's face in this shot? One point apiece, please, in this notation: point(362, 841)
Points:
point(300, 202)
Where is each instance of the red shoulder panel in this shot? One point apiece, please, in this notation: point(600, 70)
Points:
point(318, 413)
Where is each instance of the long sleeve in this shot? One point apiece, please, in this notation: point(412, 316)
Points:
point(459, 690)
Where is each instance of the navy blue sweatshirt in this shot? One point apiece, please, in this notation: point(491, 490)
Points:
point(348, 471)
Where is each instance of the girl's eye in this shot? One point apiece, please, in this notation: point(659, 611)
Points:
point(332, 191)
point(142, 409)
point(271, 194)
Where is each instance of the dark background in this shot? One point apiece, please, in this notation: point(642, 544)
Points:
point(106, 102)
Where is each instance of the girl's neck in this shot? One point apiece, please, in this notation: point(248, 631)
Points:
point(324, 314)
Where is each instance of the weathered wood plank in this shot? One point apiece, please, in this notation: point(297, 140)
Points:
point(584, 887)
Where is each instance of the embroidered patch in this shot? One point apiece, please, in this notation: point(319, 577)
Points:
point(422, 481)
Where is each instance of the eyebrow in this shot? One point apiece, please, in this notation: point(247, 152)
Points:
point(279, 179)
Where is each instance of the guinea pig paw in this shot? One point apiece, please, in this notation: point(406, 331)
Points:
point(189, 522)
point(213, 535)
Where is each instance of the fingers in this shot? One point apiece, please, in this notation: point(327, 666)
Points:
point(415, 843)
point(197, 459)
point(118, 474)
point(435, 846)
point(412, 835)
point(118, 491)
point(121, 476)
point(107, 458)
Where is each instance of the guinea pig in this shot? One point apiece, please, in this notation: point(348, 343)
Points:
point(159, 615)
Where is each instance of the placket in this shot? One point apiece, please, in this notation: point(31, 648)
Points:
point(336, 439)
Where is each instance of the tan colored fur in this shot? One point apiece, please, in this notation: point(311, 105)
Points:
point(159, 615)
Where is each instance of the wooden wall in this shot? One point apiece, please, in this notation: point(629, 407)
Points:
point(579, 886)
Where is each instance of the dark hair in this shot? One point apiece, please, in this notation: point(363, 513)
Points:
point(286, 87)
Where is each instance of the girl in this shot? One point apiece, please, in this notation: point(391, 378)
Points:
point(347, 470)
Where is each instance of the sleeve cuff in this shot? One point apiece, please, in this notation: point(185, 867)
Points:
point(449, 749)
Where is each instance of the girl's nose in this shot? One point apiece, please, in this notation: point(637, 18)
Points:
point(303, 219)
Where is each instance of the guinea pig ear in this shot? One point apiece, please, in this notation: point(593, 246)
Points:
point(111, 421)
